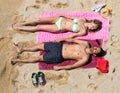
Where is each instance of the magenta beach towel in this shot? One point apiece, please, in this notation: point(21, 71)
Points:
point(102, 34)
point(91, 63)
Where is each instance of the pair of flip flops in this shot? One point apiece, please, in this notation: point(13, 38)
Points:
point(98, 7)
point(103, 10)
point(38, 78)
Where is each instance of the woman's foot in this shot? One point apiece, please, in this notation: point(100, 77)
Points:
point(19, 49)
point(16, 26)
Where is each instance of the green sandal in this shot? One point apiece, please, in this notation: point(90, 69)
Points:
point(41, 78)
point(34, 79)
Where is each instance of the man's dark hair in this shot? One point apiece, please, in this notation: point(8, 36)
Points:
point(102, 53)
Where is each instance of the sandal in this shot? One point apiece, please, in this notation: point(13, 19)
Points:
point(34, 79)
point(41, 78)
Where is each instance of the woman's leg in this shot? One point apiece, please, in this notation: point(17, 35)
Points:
point(44, 27)
point(41, 20)
point(28, 60)
point(32, 48)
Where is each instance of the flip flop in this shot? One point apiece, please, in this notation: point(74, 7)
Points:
point(98, 7)
point(41, 78)
point(34, 79)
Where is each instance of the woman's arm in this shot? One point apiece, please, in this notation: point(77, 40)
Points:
point(66, 16)
point(78, 41)
point(77, 34)
point(70, 37)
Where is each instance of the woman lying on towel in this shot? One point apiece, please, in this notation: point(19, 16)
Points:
point(60, 23)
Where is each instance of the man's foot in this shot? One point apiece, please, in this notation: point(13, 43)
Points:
point(19, 50)
point(14, 61)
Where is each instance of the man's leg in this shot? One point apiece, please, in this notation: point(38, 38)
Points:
point(35, 47)
point(28, 60)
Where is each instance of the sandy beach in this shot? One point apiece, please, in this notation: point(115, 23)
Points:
point(17, 78)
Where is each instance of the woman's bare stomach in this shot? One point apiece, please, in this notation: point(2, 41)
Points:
point(67, 24)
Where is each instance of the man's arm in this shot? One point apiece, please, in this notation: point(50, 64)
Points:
point(68, 67)
point(78, 41)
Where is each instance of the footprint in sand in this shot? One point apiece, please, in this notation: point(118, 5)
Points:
point(52, 87)
point(34, 7)
point(113, 38)
point(59, 5)
point(37, 1)
point(113, 72)
point(37, 6)
point(15, 89)
point(113, 43)
point(15, 86)
point(59, 79)
point(82, 5)
point(97, 1)
point(92, 86)
point(114, 69)
point(95, 76)
point(108, 51)
point(41, 91)
point(44, 1)
point(1, 37)
point(22, 87)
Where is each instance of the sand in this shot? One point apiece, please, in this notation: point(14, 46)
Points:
point(17, 78)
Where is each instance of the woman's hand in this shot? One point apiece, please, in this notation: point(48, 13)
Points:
point(58, 40)
point(68, 39)
point(56, 68)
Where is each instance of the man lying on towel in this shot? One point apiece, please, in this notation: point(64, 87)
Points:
point(56, 52)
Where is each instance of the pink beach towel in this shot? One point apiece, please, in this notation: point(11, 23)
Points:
point(91, 63)
point(102, 34)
